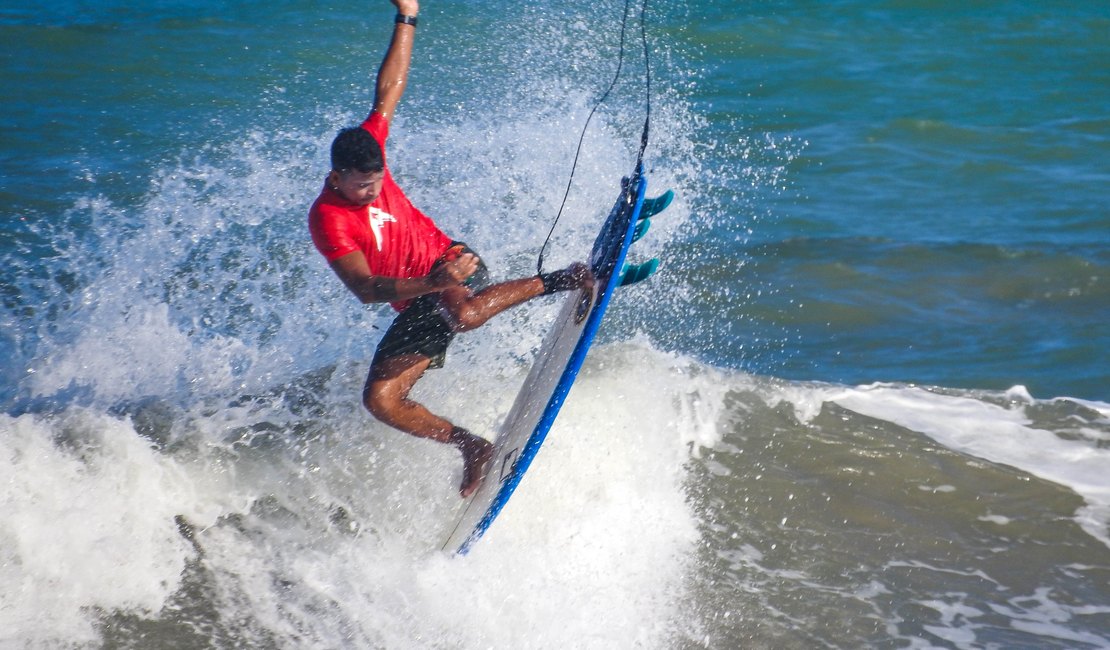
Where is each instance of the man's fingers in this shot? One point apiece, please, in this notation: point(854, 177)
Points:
point(465, 266)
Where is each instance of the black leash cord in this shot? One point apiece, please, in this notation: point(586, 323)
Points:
point(647, 85)
point(604, 96)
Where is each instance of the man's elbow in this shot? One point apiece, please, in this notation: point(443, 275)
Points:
point(362, 290)
point(376, 289)
point(367, 295)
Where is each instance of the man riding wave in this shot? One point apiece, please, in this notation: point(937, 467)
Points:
point(384, 249)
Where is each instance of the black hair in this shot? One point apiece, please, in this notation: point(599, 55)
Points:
point(356, 149)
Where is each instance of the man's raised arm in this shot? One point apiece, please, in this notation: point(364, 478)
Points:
point(394, 72)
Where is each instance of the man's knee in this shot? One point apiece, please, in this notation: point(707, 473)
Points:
point(381, 399)
point(389, 382)
point(460, 309)
point(467, 317)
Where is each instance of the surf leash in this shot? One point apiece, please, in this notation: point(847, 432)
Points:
point(604, 96)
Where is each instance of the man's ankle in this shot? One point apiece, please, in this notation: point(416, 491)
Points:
point(460, 437)
point(467, 442)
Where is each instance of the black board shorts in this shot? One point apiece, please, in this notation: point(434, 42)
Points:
point(423, 327)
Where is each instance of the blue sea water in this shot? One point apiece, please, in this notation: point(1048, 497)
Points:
point(863, 404)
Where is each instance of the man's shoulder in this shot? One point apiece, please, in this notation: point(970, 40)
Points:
point(320, 206)
point(378, 126)
point(328, 208)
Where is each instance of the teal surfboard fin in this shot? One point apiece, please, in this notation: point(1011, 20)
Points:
point(654, 206)
point(633, 273)
point(641, 229)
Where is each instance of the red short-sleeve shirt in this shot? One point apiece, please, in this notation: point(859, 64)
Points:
point(398, 240)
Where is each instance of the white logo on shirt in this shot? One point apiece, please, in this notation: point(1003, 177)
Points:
point(378, 218)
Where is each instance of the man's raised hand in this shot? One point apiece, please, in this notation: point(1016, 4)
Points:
point(407, 7)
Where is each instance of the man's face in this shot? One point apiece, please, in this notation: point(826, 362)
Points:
point(360, 188)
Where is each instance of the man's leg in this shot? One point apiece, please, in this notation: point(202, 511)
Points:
point(386, 396)
point(392, 375)
point(470, 310)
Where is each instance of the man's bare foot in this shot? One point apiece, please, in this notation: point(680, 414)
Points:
point(476, 452)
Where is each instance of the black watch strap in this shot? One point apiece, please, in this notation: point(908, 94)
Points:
point(402, 19)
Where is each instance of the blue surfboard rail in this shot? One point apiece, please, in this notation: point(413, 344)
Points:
point(606, 260)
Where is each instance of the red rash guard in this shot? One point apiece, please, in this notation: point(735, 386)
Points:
point(398, 240)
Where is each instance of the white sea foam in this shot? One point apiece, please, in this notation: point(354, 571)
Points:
point(601, 520)
point(986, 430)
point(88, 524)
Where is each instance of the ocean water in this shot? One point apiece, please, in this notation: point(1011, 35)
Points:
point(864, 403)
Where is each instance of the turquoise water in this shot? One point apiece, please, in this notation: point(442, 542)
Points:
point(864, 403)
point(941, 212)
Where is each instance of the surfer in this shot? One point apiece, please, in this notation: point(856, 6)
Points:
point(386, 250)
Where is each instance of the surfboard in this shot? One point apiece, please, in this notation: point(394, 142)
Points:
point(559, 359)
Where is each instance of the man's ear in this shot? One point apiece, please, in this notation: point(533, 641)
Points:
point(333, 178)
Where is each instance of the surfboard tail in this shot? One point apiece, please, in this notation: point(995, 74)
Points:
point(649, 209)
point(634, 273)
point(654, 206)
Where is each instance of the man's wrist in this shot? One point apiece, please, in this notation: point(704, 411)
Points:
point(405, 19)
point(435, 281)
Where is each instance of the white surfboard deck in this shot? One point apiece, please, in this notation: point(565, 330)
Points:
point(557, 363)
